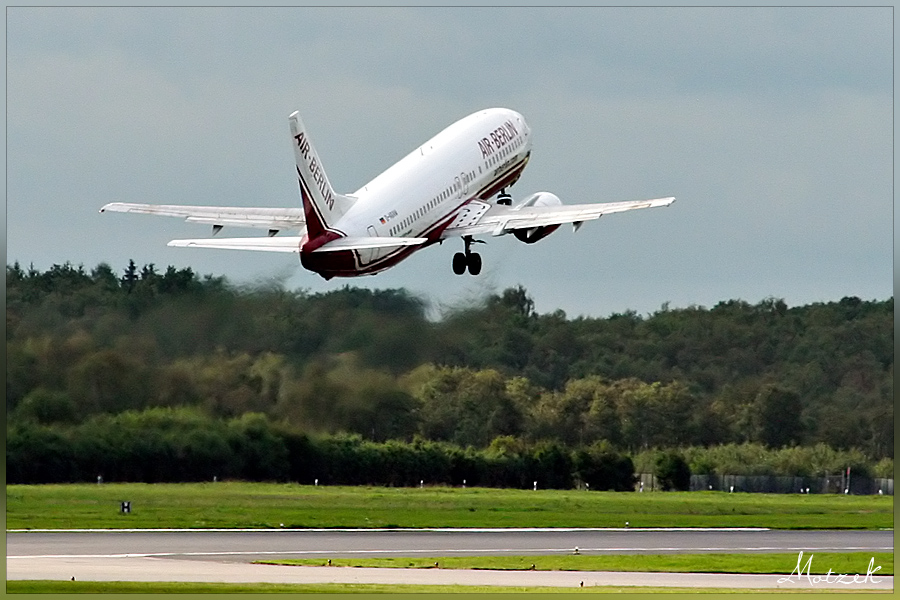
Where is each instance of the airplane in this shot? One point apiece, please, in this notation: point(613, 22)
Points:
point(443, 189)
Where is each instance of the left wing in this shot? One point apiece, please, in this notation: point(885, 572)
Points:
point(273, 219)
point(502, 219)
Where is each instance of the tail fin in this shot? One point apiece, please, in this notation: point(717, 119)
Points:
point(321, 205)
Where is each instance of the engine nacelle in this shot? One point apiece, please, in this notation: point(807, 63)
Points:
point(540, 199)
point(533, 234)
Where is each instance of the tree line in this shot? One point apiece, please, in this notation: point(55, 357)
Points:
point(185, 444)
point(86, 343)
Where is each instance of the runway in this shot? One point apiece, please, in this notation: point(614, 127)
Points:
point(250, 545)
point(225, 555)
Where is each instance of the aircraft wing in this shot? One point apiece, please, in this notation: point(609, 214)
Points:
point(501, 219)
point(218, 216)
point(292, 244)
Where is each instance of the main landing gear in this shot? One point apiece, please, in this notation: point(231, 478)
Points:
point(467, 260)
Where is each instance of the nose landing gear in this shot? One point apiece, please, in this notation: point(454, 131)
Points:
point(468, 259)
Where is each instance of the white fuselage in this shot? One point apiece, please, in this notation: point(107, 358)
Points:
point(422, 194)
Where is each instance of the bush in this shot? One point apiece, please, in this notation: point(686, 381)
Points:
point(673, 472)
point(552, 466)
point(37, 454)
point(885, 468)
point(261, 453)
point(46, 406)
point(602, 468)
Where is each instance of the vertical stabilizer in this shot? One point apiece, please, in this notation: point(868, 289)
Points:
point(322, 206)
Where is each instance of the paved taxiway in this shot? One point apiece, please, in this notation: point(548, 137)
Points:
point(202, 555)
point(249, 545)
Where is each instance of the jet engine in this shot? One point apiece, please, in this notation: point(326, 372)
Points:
point(533, 234)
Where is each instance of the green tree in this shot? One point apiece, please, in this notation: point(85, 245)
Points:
point(777, 413)
point(602, 468)
point(37, 454)
point(673, 472)
point(109, 381)
point(466, 407)
point(130, 278)
point(46, 406)
point(552, 465)
point(259, 450)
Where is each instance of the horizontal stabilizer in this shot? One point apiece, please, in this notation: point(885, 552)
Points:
point(260, 244)
point(368, 243)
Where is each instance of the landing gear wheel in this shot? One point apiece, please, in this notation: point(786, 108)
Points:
point(467, 260)
point(459, 263)
point(474, 263)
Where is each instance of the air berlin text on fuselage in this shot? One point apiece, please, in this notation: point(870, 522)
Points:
point(497, 139)
point(318, 175)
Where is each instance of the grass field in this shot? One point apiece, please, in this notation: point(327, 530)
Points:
point(260, 505)
point(836, 562)
point(92, 587)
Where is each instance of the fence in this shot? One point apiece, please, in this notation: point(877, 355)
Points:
point(774, 484)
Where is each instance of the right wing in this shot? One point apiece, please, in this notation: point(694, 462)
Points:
point(273, 219)
point(497, 220)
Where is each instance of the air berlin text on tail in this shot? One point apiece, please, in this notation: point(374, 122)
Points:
point(318, 175)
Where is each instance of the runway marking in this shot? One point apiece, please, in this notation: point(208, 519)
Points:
point(400, 529)
point(456, 551)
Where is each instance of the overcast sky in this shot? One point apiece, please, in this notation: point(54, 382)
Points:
point(771, 126)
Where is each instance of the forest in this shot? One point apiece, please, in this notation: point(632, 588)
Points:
point(87, 347)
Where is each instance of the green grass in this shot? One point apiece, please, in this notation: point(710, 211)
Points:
point(259, 505)
point(837, 562)
point(102, 587)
